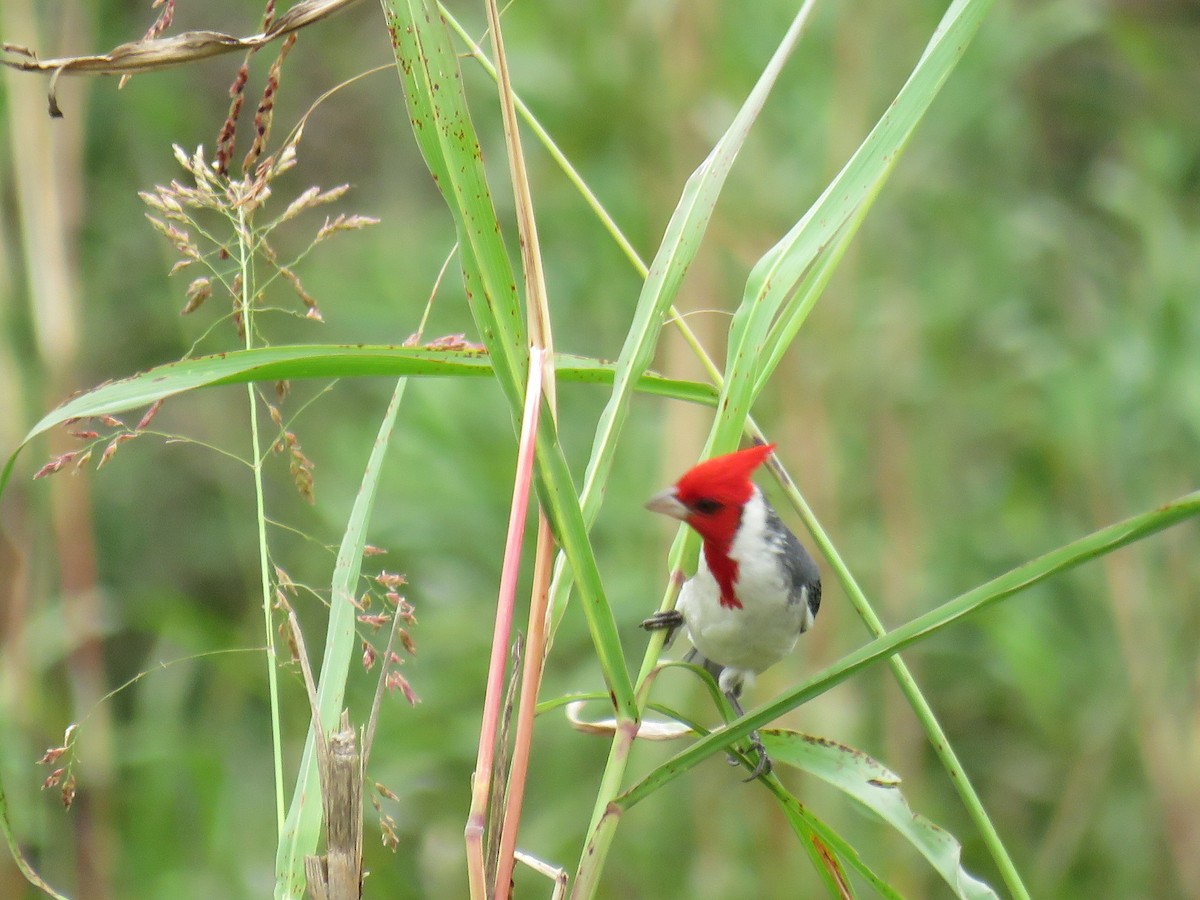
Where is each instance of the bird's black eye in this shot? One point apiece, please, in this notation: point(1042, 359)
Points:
point(706, 507)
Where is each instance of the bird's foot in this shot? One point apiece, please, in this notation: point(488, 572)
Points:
point(763, 766)
point(667, 619)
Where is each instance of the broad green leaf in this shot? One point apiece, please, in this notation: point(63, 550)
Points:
point(296, 362)
point(441, 120)
point(875, 787)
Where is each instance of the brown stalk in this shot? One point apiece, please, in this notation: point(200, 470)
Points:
point(164, 53)
point(338, 874)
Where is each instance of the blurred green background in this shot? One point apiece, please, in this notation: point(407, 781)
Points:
point(1006, 360)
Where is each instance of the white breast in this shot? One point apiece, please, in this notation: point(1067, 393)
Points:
point(765, 629)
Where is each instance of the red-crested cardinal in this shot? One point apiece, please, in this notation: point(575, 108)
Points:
point(756, 589)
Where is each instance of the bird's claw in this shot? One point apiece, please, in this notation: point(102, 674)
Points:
point(667, 619)
point(762, 767)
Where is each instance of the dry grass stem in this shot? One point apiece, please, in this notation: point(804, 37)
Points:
point(165, 53)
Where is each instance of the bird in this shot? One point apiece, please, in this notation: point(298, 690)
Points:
point(756, 589)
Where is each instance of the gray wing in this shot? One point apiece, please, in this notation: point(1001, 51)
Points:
point(802, 571)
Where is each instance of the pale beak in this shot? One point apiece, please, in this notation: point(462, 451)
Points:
point(668, 504)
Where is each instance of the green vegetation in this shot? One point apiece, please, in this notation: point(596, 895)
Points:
point(946, 259)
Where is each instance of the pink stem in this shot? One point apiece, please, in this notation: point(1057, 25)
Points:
point(493, 699)
point(531, 680)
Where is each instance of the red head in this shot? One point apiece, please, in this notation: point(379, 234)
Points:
point(710, 497)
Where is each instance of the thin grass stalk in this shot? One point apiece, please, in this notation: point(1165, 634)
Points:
point(14, 847)
point(246, 266)
point(498, 800)
point(605, 818)
point(555, 874)
point(537, 306)
point(493, 697)
point(46, 163)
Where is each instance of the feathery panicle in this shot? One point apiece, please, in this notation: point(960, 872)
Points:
point(113, 445)
point(227, 137)
point(55, 465)
point(266, 106)
point(344, 223)
point(314, 196)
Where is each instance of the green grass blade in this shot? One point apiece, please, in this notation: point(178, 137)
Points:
point(807, 826)
point(878, 789)
point(301, 361)
point(442, 125)
point(782, 268)
point(561, 503)
point(302, 827)
point(680, 243)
